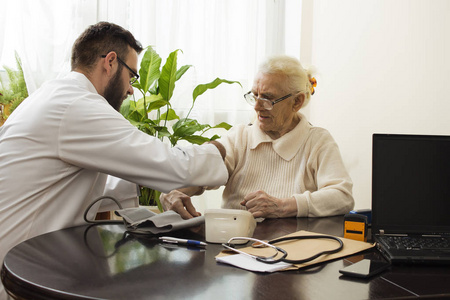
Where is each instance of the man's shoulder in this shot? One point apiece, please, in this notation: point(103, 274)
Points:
point(70, 89)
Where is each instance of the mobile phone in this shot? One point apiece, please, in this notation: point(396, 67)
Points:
point(365, 268)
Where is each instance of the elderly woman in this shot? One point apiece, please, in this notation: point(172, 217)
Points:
point(281, 166)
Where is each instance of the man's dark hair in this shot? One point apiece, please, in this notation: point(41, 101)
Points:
point(100, 39)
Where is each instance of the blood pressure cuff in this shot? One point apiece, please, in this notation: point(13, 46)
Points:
point(141, 220)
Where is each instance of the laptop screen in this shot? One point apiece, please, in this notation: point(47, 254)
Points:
point(410, 183)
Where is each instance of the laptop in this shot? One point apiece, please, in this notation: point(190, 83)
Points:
point(411, 197)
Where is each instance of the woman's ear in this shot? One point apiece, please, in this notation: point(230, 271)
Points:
point(298, 102)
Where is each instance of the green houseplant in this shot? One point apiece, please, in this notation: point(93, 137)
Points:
point(154, 114)
point(13, 93)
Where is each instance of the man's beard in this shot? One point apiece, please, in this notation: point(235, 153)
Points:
point(113, 91)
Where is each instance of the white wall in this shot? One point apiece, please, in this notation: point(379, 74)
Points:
point(383, 66)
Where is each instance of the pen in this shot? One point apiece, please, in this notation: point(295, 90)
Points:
point(168, 239)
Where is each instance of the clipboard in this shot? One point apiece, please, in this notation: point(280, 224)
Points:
point(297, 249)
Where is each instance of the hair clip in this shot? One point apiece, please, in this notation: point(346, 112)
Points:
point(313, 82)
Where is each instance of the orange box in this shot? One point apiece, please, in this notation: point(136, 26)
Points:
point(355, 227)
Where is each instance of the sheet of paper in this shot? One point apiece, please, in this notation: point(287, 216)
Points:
point(244, 262)
point(301, 249)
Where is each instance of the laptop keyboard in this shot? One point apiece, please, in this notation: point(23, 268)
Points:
point(415, 243)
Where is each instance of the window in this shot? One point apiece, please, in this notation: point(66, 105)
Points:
point(225, 39)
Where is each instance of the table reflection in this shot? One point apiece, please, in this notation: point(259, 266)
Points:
point(124, 251)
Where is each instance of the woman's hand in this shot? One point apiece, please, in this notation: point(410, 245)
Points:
point(262, 205)
point(180, 203)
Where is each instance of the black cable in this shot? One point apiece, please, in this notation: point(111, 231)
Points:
point(306, 237)
point(102, 221)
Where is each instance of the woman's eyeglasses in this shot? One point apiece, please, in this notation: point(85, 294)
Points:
point(135, 75)
point(266, 103)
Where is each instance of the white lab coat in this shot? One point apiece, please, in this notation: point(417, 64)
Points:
point(57, 148)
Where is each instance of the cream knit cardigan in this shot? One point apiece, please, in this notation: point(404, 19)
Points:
point(304, 164)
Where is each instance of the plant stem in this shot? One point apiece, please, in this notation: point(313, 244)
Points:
point(189, 112)
point(167, 115)
point(145, 107)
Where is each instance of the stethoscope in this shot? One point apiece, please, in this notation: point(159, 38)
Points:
point(272, 259)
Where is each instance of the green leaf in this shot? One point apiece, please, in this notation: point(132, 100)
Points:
point(154, 90)
point(125, 108)
point(162, 131)
point(169, 115)
point(184, 129)
point(173, 140)
point(149, 71)
point(136, 117)
point(201, 88)
point(181, 71)
point(133, 111)
point(143, 124)
point(224, 125)
point(156, 105)
point(196, 139)
point(214, 137)
point(137, 85)
point(15, 91)
point(167, 79)
point(133, 105)
point(183, 123)
point(155, 102)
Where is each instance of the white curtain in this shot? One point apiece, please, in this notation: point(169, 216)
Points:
point(225, 39)
point(42, 32)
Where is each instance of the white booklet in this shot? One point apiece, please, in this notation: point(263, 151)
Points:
point(245, 262)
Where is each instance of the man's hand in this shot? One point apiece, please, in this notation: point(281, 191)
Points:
point(180, 203)
point(262, 205)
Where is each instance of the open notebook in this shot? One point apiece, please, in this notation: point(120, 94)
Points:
point(411, 197)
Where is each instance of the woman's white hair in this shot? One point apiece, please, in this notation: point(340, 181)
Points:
point(298, 78)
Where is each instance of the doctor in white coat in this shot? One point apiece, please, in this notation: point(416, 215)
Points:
point(58, 148)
